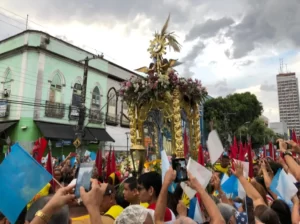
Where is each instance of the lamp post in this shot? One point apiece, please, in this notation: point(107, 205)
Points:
point(8, 142)
point(127, 136)
point(139, 150)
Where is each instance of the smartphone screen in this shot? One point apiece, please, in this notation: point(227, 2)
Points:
point(180, 166)
point(83, 178)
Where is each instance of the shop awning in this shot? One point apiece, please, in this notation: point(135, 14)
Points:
point(56, 131)
point(67, 132)
point(6, 125)
point(97, 134)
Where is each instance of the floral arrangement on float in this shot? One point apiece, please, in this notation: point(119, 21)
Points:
point(161, 79)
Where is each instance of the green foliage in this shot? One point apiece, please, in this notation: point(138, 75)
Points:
point(259, 132)
point(230, 113)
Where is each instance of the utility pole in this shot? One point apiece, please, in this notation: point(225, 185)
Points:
point(80, 127)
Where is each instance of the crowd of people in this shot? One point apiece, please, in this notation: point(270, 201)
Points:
point(146, 199)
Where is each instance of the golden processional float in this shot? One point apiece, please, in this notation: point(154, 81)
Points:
point(162, 105)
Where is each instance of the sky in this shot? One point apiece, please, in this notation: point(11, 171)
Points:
point(232, 46)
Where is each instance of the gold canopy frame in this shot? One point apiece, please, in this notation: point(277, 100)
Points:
point(170, 101)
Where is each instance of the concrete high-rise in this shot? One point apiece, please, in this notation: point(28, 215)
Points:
point(288, 100)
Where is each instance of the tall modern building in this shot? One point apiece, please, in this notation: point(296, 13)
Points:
point(288, 100)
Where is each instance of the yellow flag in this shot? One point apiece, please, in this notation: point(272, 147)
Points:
point(44, 192)
point(186, 200)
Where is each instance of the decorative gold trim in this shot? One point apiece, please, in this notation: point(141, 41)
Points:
point(177, 124)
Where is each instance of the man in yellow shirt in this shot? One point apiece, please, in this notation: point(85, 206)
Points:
point(109, 208)
point(224, 165)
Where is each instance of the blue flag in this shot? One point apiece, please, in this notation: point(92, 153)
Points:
point(72, 161)
point(93, 156)
point(230, 186)
point(22, 177)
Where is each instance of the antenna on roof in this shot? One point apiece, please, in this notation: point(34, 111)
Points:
point(280, 65)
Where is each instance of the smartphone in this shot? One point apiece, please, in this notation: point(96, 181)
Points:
point(83, 178)
point(179, 164)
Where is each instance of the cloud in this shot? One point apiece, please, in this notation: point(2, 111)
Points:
point(243, 63)
point(209, 28)
point(190, 58)
point(266, 23)
point(66, 39)
point(220, 88)
point(268, 88)
point(101, 11)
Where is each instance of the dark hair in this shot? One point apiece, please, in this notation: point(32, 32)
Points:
point(151, 179)
point(266, 215)
point(62, 216)
point(21, 219)
point(275, 166)
point(282, 210)
point(261, 190)
point(174, 198)
point(132, 183)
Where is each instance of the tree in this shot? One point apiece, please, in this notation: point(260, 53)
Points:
point(260, 134)
point(230, 113)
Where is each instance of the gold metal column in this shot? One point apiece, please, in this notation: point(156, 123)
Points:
point(177, 124)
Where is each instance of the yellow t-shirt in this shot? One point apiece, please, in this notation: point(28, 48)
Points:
point(218, 167)
point(145, 205)
point(108, 217)
point(44, 192)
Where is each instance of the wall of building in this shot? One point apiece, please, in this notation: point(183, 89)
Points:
point(279, 128)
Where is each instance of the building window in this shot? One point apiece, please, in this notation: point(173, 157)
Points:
point(54, 107)
point(112, 102)
point(95, 115)
point(76, 101)
point(124, 115)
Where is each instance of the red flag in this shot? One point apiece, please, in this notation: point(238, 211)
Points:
point(185, 144)
point(98, 162)
point(234, 148)
point(39, 148)
point(264, 152)
point(241, 152)
point(271, 150)
point(200, 156)
point(49, 168)
point(113, 162)
point(250, 159)
point(108, 165)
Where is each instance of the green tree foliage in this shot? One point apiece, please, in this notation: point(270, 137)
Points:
point(259, 132)
point(231, 112)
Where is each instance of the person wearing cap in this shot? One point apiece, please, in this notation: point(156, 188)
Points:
point(108, 208)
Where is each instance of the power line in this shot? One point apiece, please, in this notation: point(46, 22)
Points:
point(18, 21)
point(11, 24)
point(25, 18)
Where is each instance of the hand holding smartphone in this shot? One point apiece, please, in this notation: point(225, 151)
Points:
point(179, 165)
point(84, 178)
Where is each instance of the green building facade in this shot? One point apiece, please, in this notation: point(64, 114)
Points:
point(41, 80)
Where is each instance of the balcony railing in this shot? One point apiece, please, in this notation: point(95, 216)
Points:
point(55, 110)
point(95, 116)
point(111, 119)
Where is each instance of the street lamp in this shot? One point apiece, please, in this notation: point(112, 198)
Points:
point(139, 151)
point(127, 136)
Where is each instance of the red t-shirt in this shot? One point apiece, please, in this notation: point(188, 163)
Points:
point(168, 213)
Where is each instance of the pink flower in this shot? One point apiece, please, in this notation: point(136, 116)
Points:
point(128, 84)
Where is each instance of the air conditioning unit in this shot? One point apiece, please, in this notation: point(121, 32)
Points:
point(5, 93)
point(45, 40)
